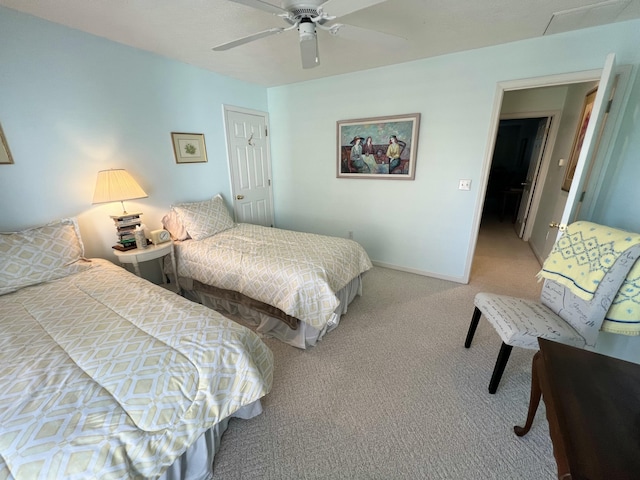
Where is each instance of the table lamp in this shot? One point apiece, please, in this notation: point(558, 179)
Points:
point(116, 185)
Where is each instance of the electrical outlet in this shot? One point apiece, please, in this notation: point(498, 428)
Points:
point(350, 235)
point(464, 184)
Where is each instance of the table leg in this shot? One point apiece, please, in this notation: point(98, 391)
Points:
point(175, 269)
point(534, 400)
point(136, 268)
point(555, 431)
point(161, 263)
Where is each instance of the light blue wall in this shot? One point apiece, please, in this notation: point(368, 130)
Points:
point(425, 225)
point(620, 204)
point(72, 104)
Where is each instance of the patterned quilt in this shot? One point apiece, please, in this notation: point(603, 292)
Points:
point(299, 273)
point(107, 376)
point(581, 258)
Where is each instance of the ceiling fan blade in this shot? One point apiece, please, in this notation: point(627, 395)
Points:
point(264, 6)
point(339, 8)
point(247, 39)
point(309, 50)
point(365, 35)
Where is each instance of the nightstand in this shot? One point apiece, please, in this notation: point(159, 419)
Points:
point(152, 252)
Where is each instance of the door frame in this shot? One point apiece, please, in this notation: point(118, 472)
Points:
point(600, 163)
point(232, 108)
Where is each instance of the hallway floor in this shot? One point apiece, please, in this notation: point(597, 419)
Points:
point(503, 259)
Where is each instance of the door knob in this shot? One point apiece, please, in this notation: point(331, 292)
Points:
point(239, 197)
point(554, 225)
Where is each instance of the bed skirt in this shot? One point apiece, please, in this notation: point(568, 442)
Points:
point(197, 462)
point(301, 337)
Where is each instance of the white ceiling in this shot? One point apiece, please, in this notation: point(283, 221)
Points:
point(186, 30)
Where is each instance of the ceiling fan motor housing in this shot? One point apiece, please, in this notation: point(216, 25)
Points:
point(307, 31)
point(302, 8)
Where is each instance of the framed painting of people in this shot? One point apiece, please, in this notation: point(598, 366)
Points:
point(379, 147)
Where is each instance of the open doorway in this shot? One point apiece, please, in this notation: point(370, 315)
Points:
point(531, 146)
point(585, 191)
point(519, 148)
point(581, 199)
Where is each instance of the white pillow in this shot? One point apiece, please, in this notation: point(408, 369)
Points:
point(40, 254)
point(174, 226)
point(204, 219)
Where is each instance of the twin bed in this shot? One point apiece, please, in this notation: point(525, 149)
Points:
point(289, 285)
point(105, 375)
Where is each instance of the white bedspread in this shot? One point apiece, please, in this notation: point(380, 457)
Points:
point(105, 375)
point(299, 273)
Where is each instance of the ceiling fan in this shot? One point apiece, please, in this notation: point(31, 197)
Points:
point(306, 16)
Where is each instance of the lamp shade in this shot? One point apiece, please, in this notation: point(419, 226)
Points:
point(116, 185)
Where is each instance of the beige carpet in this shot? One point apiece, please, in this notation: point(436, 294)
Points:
point(392, 392)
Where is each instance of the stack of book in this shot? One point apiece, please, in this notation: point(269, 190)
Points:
point(126, 226)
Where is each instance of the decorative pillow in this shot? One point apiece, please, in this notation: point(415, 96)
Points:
point(174, 226)
point(204, 219)
point(40, 254)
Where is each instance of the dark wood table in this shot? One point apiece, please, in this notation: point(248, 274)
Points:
point(593, 410)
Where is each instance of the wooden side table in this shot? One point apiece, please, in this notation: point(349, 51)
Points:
point(152, 252)
point(592, 409)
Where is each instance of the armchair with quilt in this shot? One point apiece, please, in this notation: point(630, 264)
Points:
point(582, 286)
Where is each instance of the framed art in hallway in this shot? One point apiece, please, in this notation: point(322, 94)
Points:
point(589, 99)
point(189, 147)
point(5, 153)
point(378, 147)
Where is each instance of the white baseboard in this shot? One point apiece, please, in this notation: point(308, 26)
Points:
point(536, 253)
point(420, 272)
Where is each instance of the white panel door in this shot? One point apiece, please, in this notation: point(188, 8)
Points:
point(530, 183)
point(589, 146)
point(249, 165)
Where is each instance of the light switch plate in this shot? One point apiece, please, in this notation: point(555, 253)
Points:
point(464, 184)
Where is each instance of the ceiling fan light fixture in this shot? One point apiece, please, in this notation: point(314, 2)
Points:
point(307, 31)
point(308, 45)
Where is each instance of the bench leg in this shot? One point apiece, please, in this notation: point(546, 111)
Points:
point(501, 362)
point(472, 327)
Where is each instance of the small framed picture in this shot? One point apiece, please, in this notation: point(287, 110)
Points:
point(5, 153)
point(189, 147)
